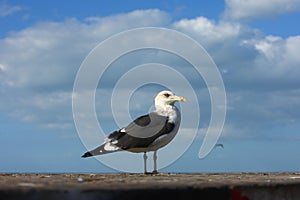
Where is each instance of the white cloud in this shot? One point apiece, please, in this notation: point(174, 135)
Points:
point(38, 67)
point(205, 29)
point(278, 58)
point(268, 48)
point(261, 76)
point(245, 54)
point(220, 37)
point(6, 10)
point(244, 10)
point(38, 64)
point(48, 109)
point(137, 18)
point(50, 53)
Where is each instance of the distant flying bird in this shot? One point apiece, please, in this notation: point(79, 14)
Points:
point(146, 133)
point(219, 145)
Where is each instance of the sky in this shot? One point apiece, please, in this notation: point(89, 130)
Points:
point(254, 44)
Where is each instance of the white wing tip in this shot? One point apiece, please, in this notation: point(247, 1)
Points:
point(110, 147)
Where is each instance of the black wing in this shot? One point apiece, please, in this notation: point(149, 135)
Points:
point(142, 131)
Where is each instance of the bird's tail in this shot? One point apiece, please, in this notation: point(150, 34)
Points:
point(102, 149)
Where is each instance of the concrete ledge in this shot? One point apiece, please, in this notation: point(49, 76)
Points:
point(236, 186)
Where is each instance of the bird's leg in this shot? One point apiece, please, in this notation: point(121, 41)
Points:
point(154, 162)
point(145, 163)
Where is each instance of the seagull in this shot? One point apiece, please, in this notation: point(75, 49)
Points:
point(147, 133)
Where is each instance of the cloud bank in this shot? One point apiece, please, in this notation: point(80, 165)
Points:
point(243, 10)
point(38, 66)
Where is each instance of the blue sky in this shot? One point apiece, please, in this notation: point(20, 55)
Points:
point(255, 47)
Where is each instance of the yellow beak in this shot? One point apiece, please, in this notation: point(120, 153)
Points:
point(179, 98)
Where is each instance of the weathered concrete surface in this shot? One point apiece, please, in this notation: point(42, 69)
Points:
point(237, 186)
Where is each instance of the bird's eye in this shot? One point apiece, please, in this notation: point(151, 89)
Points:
point(167, 95)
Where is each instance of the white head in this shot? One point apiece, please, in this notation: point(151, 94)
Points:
point(167, 98)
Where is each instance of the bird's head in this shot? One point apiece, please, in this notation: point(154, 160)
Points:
point(165, 98)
